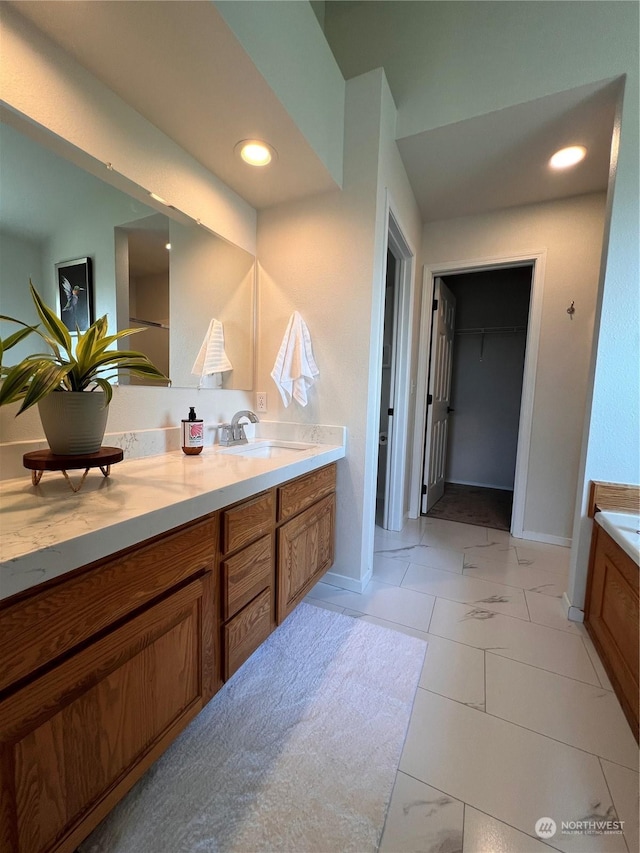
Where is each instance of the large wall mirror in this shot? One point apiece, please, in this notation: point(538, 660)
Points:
point(151, 267)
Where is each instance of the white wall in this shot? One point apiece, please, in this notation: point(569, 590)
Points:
point(316, 256)
point(571, 232)
point(325, 256)
point(611, 439)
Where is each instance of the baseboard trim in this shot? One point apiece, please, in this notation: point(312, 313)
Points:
point(546, 538)
point(350, 584)
point(480, 485)
point(571, 612)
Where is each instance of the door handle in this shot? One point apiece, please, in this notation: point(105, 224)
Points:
point(449, 409)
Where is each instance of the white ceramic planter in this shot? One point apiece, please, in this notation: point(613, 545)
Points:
point(74, 422)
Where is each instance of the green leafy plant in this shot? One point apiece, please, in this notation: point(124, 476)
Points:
point(87, 366)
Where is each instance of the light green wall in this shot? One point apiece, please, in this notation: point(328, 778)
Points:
point(449, 61)
point(285, 41)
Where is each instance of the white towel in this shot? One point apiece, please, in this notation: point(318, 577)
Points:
point(295, 370)
point(212, 359)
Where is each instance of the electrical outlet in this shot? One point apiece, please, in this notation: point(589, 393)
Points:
point(261, 401)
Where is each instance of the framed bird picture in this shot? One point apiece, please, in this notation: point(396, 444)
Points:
point(75, 294)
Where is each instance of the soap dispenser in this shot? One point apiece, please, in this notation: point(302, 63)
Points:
point(192, 433)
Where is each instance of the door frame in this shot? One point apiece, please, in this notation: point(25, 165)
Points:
point(538, 260)
point(397, 243)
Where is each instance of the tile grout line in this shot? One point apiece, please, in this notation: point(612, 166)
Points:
point(493, 817)
point(542, 669)
point(492, 650)
point(606, 782)
point(586, 648)
point(435, 601)
point(479, 648)
point(560, 631)
point(527, 729)
point(484, 672)
point(464, 804)
point(526, 603)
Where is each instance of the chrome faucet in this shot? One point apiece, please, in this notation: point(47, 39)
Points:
point(233, 433)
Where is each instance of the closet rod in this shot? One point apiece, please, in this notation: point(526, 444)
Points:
point(492, 330)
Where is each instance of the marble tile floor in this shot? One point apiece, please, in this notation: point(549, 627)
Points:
point(514, 717)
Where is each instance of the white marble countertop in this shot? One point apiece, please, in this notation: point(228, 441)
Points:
point(48, 530)
point(624, 528)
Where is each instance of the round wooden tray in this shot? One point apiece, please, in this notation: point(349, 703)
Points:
point(39, 461)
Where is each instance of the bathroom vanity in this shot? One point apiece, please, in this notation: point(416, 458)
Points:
point(107, 660)
point(612, 614)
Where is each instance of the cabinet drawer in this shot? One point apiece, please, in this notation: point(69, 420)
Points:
point(298, 495)
point(40, 628)
point(246, 631)
point(246, 574)
point(246, 522)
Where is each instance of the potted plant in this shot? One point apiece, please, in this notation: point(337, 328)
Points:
point(70, 383)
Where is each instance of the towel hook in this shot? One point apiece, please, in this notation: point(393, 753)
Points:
point(571, 310)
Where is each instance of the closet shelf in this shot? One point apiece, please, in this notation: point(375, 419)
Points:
point(151, 323)
point(491, 330)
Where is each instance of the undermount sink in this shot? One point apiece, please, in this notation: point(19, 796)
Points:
point(267, 449)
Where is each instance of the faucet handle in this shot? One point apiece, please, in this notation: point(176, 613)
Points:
point(226, 434)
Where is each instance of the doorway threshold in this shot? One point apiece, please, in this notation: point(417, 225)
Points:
point(477, 505)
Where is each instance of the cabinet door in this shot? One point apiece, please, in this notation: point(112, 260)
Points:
point(612, 616)
point(305, 553)
point(74, 741)
point(46, 625)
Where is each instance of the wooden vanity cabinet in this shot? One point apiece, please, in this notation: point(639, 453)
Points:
point(305, 534)
point(247, 573)
point(102, 668)
point(90, 703)
point(275, 547)
point(612, 618)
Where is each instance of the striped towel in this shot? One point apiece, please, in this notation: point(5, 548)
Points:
point(212, 358)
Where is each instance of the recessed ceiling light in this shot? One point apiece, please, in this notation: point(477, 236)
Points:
point(568, 157)
point(255, 152)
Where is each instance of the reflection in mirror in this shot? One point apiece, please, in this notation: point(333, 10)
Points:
point(51, 211)
point(202, 268)
point(144, 264)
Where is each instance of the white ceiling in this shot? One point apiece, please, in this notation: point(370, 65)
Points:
point(500, 160)
point(179, 65)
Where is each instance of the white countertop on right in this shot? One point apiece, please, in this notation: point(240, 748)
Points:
point(624, 528)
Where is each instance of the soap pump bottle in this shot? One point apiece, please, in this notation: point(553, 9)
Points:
point(192, 433)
